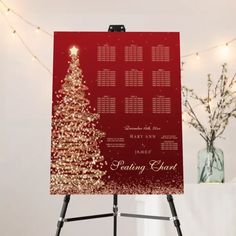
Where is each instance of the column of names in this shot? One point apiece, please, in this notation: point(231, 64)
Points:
point(133, 78)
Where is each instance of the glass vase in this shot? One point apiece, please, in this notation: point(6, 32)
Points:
point(211, 165)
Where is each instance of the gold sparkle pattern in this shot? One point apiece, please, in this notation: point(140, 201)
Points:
point(139, 187)
point(171, 185)
point(76, 160)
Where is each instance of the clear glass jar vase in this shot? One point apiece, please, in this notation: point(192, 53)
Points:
point(211, 165)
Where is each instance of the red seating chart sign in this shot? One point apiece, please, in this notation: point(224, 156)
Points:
point(116, 116)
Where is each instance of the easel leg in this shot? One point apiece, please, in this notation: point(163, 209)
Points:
point(115, 211)
point(60, 222)
point(174, 214)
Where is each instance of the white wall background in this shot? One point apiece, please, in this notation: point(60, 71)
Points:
point(26, 208)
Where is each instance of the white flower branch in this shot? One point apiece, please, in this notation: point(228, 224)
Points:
point(219, 105)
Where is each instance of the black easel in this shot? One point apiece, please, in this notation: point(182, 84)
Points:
point(115, 214)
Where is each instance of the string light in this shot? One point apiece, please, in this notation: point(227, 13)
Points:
point(224, 47)
point(224, 51)
point(37, 29)
point(34, 58)
point(15, 33)
point(25, 20)
point(8, 11)
point(197, 56)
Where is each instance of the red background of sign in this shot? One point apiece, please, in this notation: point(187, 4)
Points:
point(120, 181)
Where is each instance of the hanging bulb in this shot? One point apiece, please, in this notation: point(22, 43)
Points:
point(226, 47)
point(8, 11)
point(37, 29)
point(197, 56)
point(14, 32)
point(224, 51)
point(34, 58)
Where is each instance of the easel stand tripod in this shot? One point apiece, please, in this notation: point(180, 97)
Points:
point(115, 214)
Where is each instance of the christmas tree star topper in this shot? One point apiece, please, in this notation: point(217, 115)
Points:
point(73, 51)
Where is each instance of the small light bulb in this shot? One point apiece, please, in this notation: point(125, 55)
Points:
point(8, 11)
point(14, 32)
point(224, 51)
point(34, 58)
point(37, 29)
point(197, 56)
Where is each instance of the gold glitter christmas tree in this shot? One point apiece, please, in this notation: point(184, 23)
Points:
point(76, 161)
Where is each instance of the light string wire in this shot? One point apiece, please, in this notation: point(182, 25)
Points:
point(36, 27)
point(34, 57)
point(196, 53)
